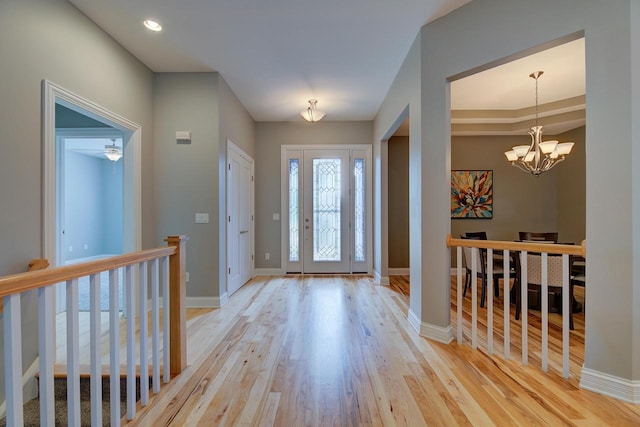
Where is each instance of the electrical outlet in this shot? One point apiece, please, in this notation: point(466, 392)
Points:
point(70, 248)
point(186, 279)
point(267, 256)
point(86, 246)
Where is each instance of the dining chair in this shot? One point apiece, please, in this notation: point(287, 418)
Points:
point(554, 279)
point(578, 278)
point(481, 260)
point(533, 236)
point(480, 235)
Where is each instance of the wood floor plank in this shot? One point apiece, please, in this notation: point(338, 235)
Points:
point(340, 351)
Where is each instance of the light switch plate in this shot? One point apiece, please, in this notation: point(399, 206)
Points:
point(202, 218)
point(276, 217)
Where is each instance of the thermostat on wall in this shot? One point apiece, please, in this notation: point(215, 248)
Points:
point(183, 137)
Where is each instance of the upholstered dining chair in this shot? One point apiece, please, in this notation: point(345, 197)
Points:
point(481, 259)
point(532, 236)
point(480, 235)
point(554, 278)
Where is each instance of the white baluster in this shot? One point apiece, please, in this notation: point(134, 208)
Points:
point(46, 349)
point(73, 354)
point(144, 331)
point(490, 286)
point(114, 346)
point(155, 325)
point(166, 376)
point(545, 311)
point(131, 341)
point(566, 306)
point(474, 298)
point(507, 304)
point(524, 306)
point(13, 359)
point(95, 319)
point(459, 293)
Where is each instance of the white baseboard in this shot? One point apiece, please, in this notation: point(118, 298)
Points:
point(433, 332)
point(610, 385)
point(268, 272)
point(398, 271)
point(224, 298)
point(202, 302)
point(380, 280)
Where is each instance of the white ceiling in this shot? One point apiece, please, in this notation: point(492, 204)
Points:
point(509, 86)
point(277, 54)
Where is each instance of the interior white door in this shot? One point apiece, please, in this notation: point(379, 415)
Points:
point(239, 218)
point(325, 199)
point(245, 203)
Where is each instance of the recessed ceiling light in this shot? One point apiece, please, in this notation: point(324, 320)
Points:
point(152, 25)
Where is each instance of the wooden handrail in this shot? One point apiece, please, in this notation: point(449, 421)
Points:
point(579, 250)
point(37, 279)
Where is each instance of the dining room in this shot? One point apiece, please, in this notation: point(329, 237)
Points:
point(486, 123)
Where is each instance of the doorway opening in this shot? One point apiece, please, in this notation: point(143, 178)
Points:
point(119, 131)
point(326, 201)
point(89, 199)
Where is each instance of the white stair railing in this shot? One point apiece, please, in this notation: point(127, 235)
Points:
point(522, 249)
point(171, 282)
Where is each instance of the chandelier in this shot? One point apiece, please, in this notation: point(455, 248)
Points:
point(311, 114)
point(540, 156)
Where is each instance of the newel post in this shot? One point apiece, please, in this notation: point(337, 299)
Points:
point(177, 309)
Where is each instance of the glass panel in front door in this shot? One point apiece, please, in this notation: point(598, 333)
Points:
point(326, 211)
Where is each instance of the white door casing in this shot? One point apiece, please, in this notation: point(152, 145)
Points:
point(355, 211)
point(52, 95)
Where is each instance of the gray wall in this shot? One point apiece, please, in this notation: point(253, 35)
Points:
point(190, 178)
point(521, 202)
point(612, 57)
point(237, 126)
point(187, 174)
point(553, 201)
point(399, 202)
point(270, 136)
point(50, 39)
point(572, 189)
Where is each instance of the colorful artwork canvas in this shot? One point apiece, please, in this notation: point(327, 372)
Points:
point(472, 194)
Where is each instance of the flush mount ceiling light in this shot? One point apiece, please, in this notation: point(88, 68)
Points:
point(152, 25)
point(540, 156)
point(311, 114)
point(112, 151)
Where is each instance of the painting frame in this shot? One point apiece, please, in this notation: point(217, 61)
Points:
point(472, 194)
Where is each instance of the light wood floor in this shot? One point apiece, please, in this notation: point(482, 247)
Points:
point(339, 351)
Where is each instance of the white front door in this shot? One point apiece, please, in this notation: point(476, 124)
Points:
point(239, 218)
point(326, 197)
point(325, 213)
